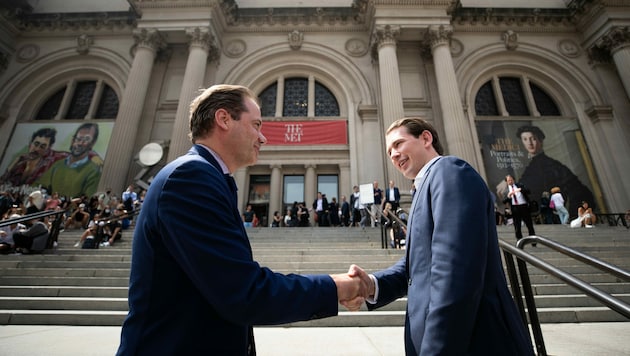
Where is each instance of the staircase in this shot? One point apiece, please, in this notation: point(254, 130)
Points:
point(71, 286)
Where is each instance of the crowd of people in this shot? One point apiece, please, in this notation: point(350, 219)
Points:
point(353, 213)
point(102, 216)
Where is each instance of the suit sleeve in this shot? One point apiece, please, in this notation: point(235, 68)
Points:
point(206, 236)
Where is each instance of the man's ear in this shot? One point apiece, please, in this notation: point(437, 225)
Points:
point(221, 118)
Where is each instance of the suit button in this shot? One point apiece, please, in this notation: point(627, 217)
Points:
point(409, 281)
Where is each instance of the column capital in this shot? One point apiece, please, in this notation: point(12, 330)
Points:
point(383, 35)
point(615, 39)
point(202, 38)
point(148, 38)
point(438, 35)
point(275, 166)
point(386, 35)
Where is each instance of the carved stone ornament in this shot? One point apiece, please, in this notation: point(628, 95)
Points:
point(296, 38)
point(83, 43)
point(27, 53)
point(356, 47)
point(510, 38)
point(569, 48)
point(457, 47)
point(235, 48)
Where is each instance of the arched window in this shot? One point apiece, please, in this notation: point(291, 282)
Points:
point(295, 99)
point(89, 99)
point(520, 98)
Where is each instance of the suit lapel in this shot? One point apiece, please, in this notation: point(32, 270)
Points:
point(414, 206)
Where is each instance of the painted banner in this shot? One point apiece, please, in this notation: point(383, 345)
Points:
point(541, 155)
point(62, 157)
point(330, 132)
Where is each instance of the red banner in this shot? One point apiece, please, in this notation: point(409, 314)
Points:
point(333, 132)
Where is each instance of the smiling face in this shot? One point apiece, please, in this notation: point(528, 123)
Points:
point(408, 153)
point(245, 136)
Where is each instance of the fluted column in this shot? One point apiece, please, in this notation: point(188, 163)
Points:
point(275, 190)
point(345, 186)
point(310, 188)
point(391, 91)
point(201, 45)
point(120, 154)
point(457, 129)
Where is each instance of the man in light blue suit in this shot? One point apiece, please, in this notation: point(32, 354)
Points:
point(194, 287)
point(457, 297)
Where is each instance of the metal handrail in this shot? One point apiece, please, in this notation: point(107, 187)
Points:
point(55, 227)
point(612, 302)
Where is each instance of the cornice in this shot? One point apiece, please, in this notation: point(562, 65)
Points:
point(73, 21)
point(498, 19)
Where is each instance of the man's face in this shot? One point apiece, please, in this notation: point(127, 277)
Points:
point(408, 153)
point(82, 143)
point(531, 143)
point(38, 147)
point(509, 180)
point(246, 137)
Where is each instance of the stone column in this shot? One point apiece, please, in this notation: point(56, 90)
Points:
point(120, 155)
point(310, 188)
point(459, 141)
point(201, 46)
point(275, 191)
point(617, 41)
point(391, 91)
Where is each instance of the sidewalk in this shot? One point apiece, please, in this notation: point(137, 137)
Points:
point(587, 339)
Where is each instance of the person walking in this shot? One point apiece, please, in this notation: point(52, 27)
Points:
point(516, 194)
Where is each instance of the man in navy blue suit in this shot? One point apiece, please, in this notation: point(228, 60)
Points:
point(194, 287)
point(457, 297)
point(392, 196)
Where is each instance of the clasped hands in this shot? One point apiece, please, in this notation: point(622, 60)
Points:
point(353, 287)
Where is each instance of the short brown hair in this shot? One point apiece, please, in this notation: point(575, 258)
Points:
point(221, 96)
point(415, 126)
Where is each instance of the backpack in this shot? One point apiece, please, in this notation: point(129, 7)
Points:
point(552, 205)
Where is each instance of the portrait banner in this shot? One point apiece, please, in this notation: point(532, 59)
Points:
point(540, 154)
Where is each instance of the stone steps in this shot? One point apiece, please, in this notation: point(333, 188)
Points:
point(71, 286)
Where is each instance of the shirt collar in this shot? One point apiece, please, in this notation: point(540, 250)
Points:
point(423, 171)
point(218, 158)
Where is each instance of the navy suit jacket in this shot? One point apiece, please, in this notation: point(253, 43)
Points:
point(396, 195)
point(458, 302)
point(195, 288)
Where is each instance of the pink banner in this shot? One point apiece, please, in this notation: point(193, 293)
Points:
point(333, 132)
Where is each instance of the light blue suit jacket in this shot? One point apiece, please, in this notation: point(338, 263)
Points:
point(458, 301)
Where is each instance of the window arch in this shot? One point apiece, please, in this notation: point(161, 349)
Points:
point(295, 99)
point(513, 96)
point(79, 100)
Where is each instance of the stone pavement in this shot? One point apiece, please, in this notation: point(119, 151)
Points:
point(566, 339)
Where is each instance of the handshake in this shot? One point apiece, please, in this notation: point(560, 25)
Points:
point(353, 287)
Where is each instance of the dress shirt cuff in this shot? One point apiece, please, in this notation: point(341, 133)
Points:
point(373, 299)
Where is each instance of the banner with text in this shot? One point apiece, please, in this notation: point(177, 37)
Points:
point(331, 132)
